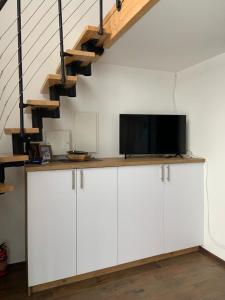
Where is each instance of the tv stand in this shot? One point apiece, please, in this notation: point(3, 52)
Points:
point(126, 156)
point(176, 155)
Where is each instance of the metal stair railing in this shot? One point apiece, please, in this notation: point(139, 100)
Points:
point(36, 40)
point(101, 29)
point(22, 88)
point(32, 46)
point(38, 54)
point(20, 68)
point(14, 72)
point(118, 4)
point(61, 43)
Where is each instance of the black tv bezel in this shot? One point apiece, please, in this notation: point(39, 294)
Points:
point(153, 154)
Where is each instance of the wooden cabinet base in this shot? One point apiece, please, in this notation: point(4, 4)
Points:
point(49, 285)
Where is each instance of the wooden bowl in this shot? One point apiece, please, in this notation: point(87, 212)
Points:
point(79, 157)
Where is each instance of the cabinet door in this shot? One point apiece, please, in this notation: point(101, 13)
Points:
point(140, 208)
point(96, 219)
point(184, 206)
point(51, 216)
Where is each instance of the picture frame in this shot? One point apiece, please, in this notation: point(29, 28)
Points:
point(34, 152)
point(45, 152)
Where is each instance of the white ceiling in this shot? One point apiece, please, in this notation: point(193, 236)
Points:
point(174, 35)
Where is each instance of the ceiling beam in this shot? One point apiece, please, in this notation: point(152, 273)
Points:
point(118, 22)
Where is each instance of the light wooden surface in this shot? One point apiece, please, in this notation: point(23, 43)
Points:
point(10, 131)
point(5, 188)
point(47, 104)
point(5, 158)
point(117, 23)
point(91, 32)
point(53, 79)
point(111, 162)
point(98, 273)
point(83, 56)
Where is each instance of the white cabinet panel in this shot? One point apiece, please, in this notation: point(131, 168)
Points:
point(51, 218)
point(96, 219)
point(184, 207)
point(140, 212)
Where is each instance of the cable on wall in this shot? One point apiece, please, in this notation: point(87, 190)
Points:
point(175, 94)
point(214, 240)
point(217, 243)
point(211, 236)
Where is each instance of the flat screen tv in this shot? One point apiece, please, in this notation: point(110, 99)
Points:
point(152, 134)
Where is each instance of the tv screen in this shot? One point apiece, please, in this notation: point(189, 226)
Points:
point(152, 134)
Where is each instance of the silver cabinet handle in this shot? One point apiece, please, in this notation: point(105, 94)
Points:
point(162, 173)
point(168, 173)
point(81, 179)
point(73, 180)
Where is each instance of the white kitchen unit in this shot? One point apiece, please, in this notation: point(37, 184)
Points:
point(184, 206)
point(160, 209)
point(96, 219)
point(88, 219)
point(140, 212)
point(51, 220)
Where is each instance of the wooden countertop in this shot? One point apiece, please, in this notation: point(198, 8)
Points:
point(111, 162)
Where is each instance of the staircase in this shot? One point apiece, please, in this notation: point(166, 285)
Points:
point(75, 62)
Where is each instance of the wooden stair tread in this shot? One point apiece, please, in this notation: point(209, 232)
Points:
point(53, 79)
point(5, 158)
point(47, 104)
point(91, 32)
point(5, 188)
point(84, 56)
point(17, 130)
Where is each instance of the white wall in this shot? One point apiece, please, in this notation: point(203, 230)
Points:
point(201, 94)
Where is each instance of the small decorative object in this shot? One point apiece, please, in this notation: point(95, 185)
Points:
point(3, 259)
point(34, 152)
point(45, 152)
point(78, 156)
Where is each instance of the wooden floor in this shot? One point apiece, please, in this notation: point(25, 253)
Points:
point(195, 276)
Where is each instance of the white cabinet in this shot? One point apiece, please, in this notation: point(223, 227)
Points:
point(96, 219)
point(51, 225)
point(184, 206)
point(160, 209)
point(140, 213)
point(80, 221)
